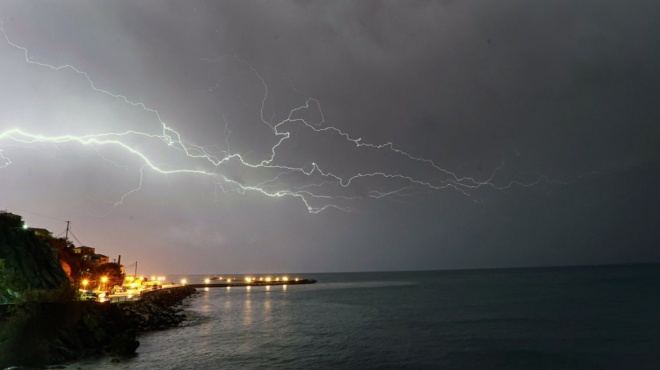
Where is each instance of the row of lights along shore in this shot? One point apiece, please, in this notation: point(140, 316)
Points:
point(248, 279)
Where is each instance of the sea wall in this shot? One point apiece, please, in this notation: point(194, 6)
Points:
point(157, 309)
point(38, 334)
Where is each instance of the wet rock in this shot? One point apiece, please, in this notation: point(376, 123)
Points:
point(124, 344)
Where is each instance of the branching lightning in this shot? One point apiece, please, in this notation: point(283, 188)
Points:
point(5, 161)
point(317, 186)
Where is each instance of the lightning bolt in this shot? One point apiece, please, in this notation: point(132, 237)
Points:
point(323, 187)
point(6, 161)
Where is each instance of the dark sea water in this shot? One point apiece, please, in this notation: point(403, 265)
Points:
point(547, 318)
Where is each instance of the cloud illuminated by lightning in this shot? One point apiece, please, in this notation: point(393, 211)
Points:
point(314, 184)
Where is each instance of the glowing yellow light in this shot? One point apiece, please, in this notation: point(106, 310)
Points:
point(248, 287)
point(284, 287)
point(141, 277)
point(296, 279)
point(229, 280)
point(286, 278)
point(184, 281)
point(207, 280)
point(277, 279)
point(267, 287)
point(153, 278)
point(85, 282)
point(248, 280)
point(261, 279)
point(104, 279)
point(130, 296)
point(268, 278)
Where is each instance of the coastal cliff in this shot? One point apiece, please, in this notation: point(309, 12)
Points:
point(27, 265)
point(41, 320)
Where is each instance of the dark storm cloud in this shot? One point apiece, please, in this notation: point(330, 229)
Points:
point(558, 89)
point(466, 80)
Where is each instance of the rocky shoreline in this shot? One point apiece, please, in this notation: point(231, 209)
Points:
point(42, 334)
point(157, 309)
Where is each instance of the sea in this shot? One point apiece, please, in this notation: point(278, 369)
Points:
point(603, 317)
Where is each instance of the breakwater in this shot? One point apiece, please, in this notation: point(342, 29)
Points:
point(157, 309)
point(253, 283)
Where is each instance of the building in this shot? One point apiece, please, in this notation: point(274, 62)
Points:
point(40, 232)
point(100, 259)
point(85, 253)
point(89, 254)
point(11, 216)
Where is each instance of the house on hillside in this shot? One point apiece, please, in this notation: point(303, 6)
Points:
point(40, 232)
point(100, 259)
point(9, 218)
point(85, 252)
point(89, 254)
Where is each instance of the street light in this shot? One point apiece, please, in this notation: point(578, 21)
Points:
point(183, 281)
point(104, 279)
point(84, 283)
point(207, 280)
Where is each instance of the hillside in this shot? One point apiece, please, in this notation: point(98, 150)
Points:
point(26, 264)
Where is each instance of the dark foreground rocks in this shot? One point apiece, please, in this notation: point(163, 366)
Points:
point(38, 334)
point(157, 309)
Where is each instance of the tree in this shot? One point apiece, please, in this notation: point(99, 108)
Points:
point(111, 270)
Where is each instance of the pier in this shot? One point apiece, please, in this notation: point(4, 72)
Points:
point(239, 283)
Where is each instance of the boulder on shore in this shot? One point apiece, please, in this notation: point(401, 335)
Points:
point(124, 344)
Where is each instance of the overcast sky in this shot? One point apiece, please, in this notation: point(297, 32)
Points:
point(308, 136)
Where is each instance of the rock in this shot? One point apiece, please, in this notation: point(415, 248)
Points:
point(26, 262)
point(124, 344)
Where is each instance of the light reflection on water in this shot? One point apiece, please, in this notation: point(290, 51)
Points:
point(238, 323)
point(247, 312)
point(446, 320)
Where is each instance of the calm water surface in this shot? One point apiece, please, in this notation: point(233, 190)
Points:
point(551, 318)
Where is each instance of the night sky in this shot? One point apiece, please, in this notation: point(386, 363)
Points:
point(309, 136)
